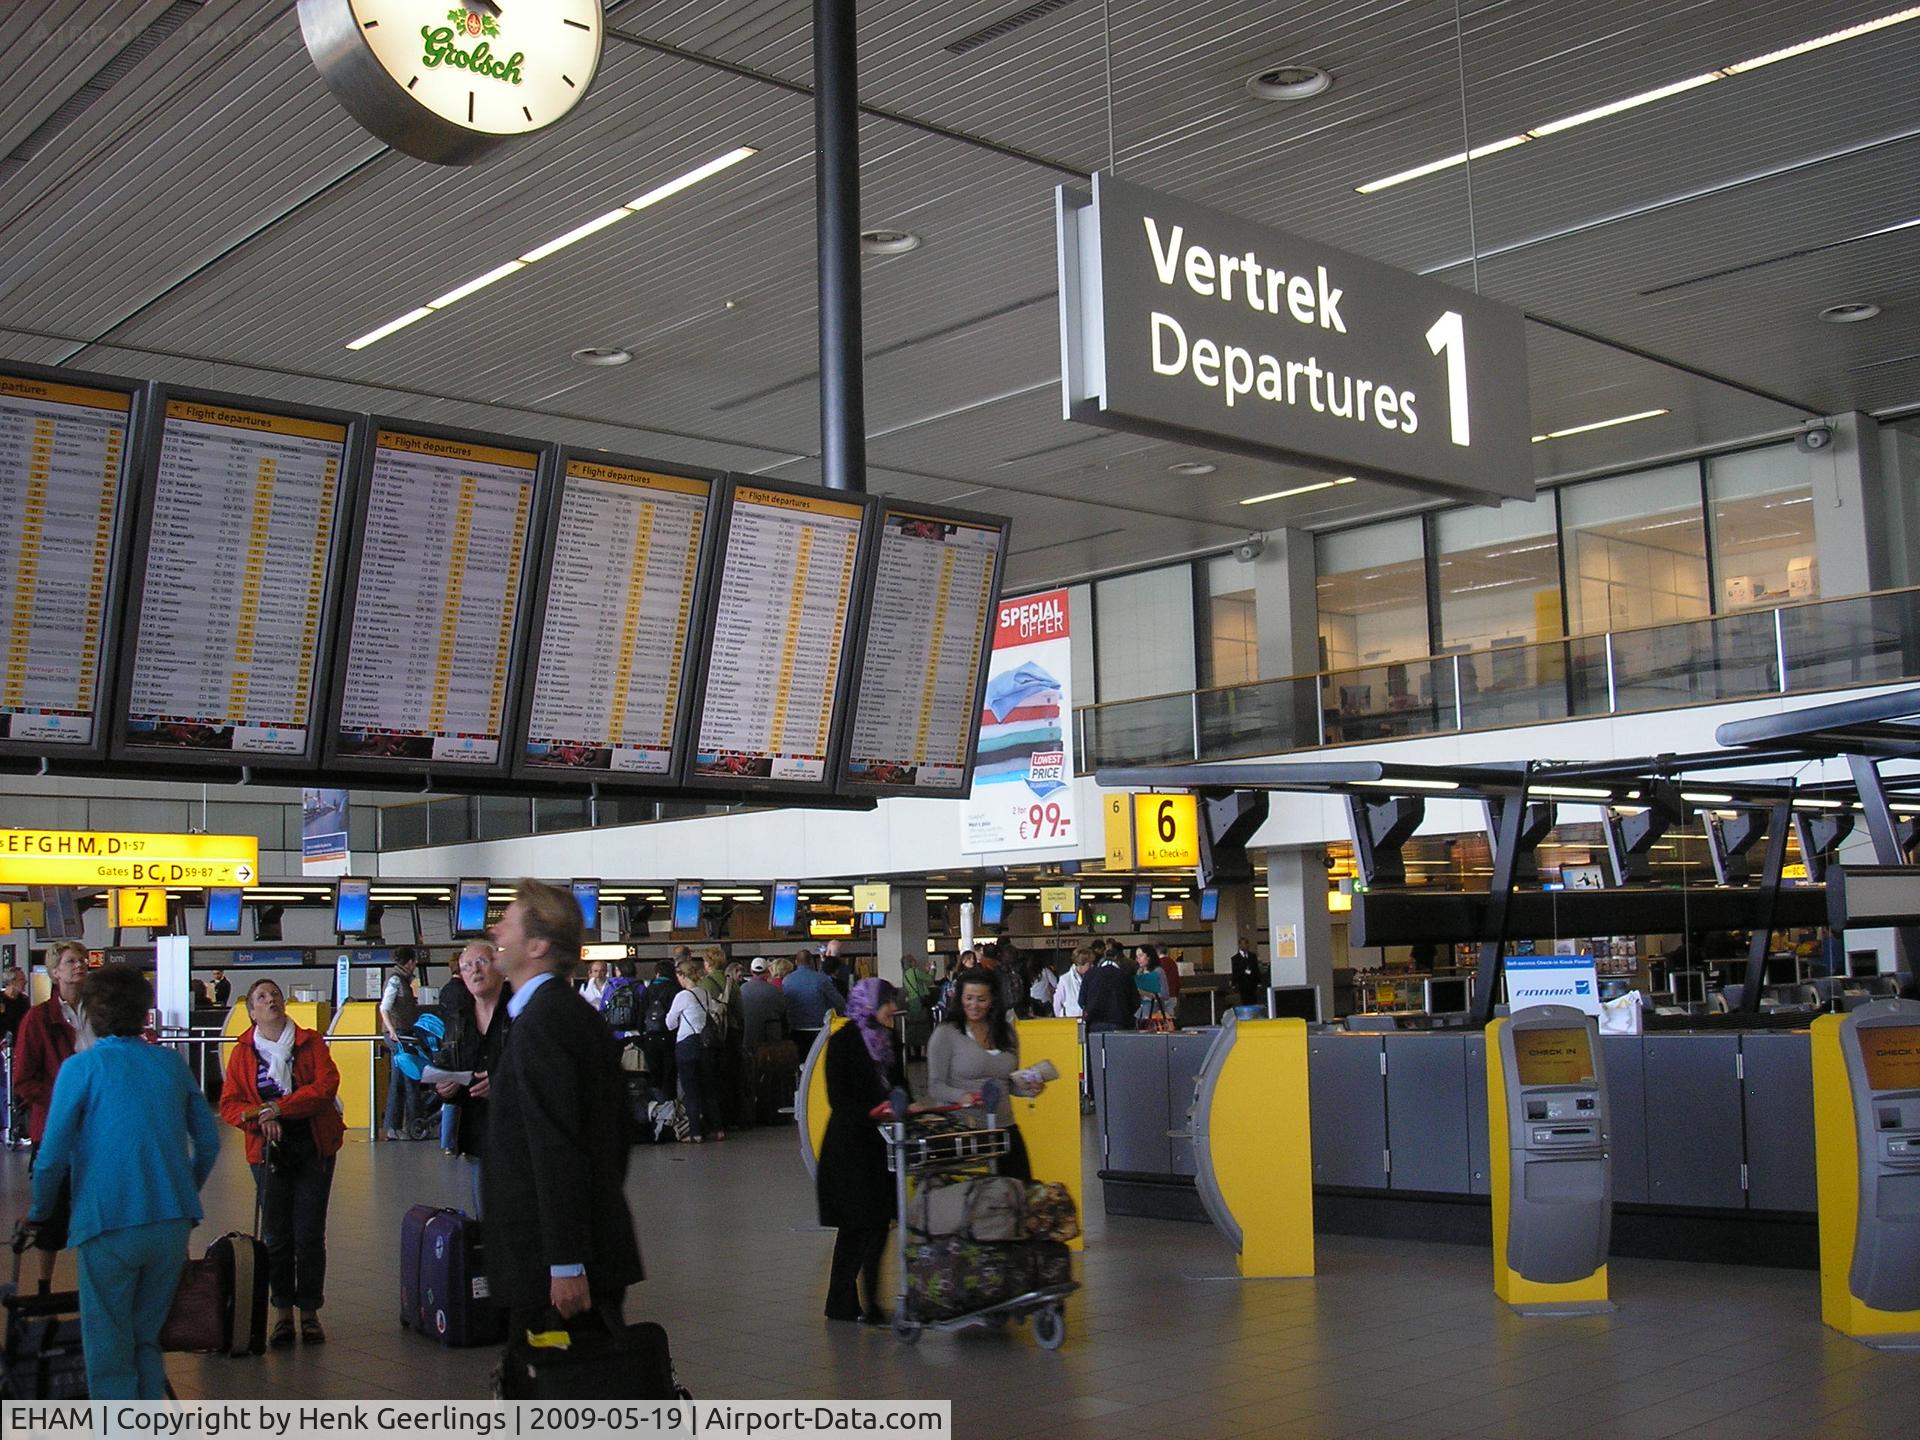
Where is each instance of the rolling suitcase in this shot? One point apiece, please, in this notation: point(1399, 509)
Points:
point(776, 1073)
point(41, 1353)
point(602, 1360)
point(443, 1279)
point(221, 1301)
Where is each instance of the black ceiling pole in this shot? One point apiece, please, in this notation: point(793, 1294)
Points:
point(836, 189)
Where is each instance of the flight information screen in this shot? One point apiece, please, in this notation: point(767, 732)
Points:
point(917, 704)
point(63, 470)
point(234, 586)
point(442, 551)
point(616, 620)
point(772, 684)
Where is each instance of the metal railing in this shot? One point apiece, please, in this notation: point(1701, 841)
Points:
point(1858, 640)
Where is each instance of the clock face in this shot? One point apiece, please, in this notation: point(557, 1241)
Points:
point(495, 67)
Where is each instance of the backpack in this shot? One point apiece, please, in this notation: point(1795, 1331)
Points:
point(659, 1000)
point(621, 1004)
point(713, 1035)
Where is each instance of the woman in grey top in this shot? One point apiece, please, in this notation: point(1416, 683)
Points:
point(977, 1044)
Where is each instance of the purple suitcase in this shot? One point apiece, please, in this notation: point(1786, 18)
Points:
point(443, 1279)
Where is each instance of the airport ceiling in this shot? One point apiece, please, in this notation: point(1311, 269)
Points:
point(181, 198)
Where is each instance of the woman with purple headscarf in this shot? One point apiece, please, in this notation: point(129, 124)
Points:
point(856, 1196)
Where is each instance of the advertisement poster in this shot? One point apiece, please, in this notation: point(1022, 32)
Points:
point(1023, 779)
point(323, 832)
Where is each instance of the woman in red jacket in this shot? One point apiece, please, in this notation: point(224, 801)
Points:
point(46, 1040)
point(280, 1091)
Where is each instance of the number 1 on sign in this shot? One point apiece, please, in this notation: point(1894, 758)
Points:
point(1449, 334)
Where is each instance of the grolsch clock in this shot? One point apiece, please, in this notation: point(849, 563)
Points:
point(453, 81)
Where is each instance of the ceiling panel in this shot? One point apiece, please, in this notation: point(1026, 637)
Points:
point(181, 197)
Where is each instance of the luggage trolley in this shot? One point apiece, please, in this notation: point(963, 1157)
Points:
point(911, 1157)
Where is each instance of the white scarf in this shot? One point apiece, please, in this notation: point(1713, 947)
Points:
point(279, 1056)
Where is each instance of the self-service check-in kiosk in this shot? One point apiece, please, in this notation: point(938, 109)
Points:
point(1253, 1144)
point(1866, 1097)
point(1551, 1172)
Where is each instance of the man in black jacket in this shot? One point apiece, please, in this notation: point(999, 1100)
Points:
point(1108, 997)
point(1246, 972)
point(558, 1233)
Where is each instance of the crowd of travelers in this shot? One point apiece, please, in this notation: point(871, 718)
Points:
point(542, 1082)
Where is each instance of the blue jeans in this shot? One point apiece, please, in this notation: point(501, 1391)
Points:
point(127, 1280)
point(449, 1124)
point(403, 1101)
point(695, 1071)
point(293, 1210)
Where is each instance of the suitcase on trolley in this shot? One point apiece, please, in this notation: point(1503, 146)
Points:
point(443, 1279)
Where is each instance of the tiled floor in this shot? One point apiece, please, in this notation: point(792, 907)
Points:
point(1392, 1339)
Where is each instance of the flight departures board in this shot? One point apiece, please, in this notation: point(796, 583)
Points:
point(67, 442)
point(928, 610)
point(438, 565)
point(771, 700)
point(236, 558)
point(617, 611)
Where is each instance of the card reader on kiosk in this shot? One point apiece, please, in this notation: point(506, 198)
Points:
point(1552, 1173)
point(1867, 1148)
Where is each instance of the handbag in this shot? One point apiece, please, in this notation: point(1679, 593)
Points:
point(198, 1319)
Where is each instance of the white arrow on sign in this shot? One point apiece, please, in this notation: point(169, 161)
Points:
point(243, 872)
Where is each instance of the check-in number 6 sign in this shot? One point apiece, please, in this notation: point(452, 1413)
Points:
point(1449, 335)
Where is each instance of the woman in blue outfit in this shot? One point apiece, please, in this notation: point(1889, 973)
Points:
point(131, 1126)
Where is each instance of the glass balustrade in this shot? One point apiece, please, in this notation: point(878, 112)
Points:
point(1826, 645)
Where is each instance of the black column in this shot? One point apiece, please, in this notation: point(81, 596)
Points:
point(836, 123)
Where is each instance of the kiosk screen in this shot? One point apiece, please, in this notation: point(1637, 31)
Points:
point(1892, 1056)
point(1553, 1057)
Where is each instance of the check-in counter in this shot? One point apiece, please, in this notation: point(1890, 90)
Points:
point(362, 1065)
point(1711, 1136)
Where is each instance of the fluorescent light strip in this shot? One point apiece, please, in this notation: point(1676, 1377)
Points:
point(1571, 792)
point(552, 247)
point(1300, 490)
point(1600, 425)
point(1634, 102)
point(1851, 32)
point(1411, 784)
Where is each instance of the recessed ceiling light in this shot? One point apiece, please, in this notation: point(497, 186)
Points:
point(602, 355)
point(1851, 313)
point(1645, 97)
point(1289, 82)
point(888, 242)
point(1192, 467)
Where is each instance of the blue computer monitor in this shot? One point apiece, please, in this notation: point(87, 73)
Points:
point(223, 910)
point(1142, 904)
point(874, 919)
point(686, 905)
point(470, 909)
point(586, 894)
point(1210, 904)
point(351, 901)
point(993, 904)
point(786, 905)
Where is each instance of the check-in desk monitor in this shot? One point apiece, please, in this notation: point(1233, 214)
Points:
point(1561, 1201)
point(1881, 1045)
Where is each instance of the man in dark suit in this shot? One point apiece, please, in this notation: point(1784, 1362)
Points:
point(558, 1232)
